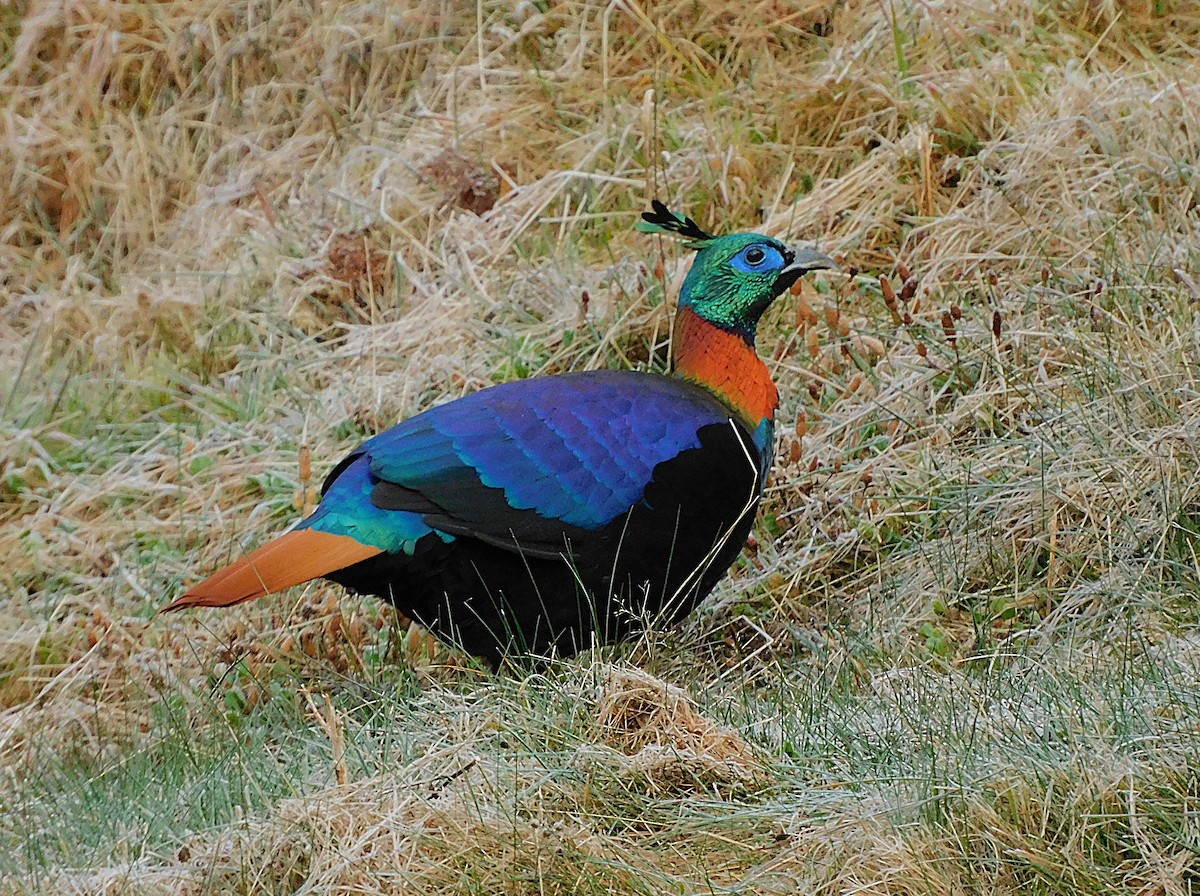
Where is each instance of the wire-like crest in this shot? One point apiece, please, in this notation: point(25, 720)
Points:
point(661, 219)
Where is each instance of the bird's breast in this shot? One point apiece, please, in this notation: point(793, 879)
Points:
point(724, 363)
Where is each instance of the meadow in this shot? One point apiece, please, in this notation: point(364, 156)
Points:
point(960, 654)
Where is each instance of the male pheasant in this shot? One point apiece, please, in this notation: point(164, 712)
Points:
point(547, 515)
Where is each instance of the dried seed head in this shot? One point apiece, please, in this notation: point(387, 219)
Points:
point(334, 624)
point(889, 294)
point(813, 342)
point(948, 328)
point(309, 643)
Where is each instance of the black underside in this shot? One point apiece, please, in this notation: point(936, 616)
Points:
point(648, 566)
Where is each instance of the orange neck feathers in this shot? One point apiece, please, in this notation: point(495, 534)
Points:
point(724, 363)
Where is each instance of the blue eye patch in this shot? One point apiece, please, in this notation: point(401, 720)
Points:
point(758, 258)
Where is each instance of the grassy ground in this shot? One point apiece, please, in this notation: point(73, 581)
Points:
point(961, 656)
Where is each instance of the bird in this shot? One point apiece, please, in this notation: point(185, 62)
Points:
point(545, 516)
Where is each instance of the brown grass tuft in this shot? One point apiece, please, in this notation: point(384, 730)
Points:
point(667, 740)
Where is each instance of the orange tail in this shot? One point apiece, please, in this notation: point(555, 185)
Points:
point(292, 558)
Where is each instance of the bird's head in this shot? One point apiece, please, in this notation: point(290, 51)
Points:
point(734, 278)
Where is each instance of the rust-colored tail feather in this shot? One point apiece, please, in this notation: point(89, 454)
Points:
point(290, 559)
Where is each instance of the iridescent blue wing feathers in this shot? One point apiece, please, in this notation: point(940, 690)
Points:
point(532, 456)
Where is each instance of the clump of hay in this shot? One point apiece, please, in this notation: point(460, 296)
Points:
point(665, 739)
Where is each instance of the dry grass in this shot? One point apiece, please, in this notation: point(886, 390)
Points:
point(961, 655)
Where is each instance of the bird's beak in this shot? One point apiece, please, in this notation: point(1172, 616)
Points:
point(804, 260)
point(809, 259)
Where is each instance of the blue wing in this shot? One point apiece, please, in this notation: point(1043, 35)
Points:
point(530, 460)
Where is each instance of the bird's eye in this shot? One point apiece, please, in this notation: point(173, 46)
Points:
point(758, 259)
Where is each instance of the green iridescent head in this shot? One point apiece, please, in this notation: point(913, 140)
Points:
point(734, 278)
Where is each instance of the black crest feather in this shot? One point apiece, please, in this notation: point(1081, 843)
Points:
point(661, 219)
